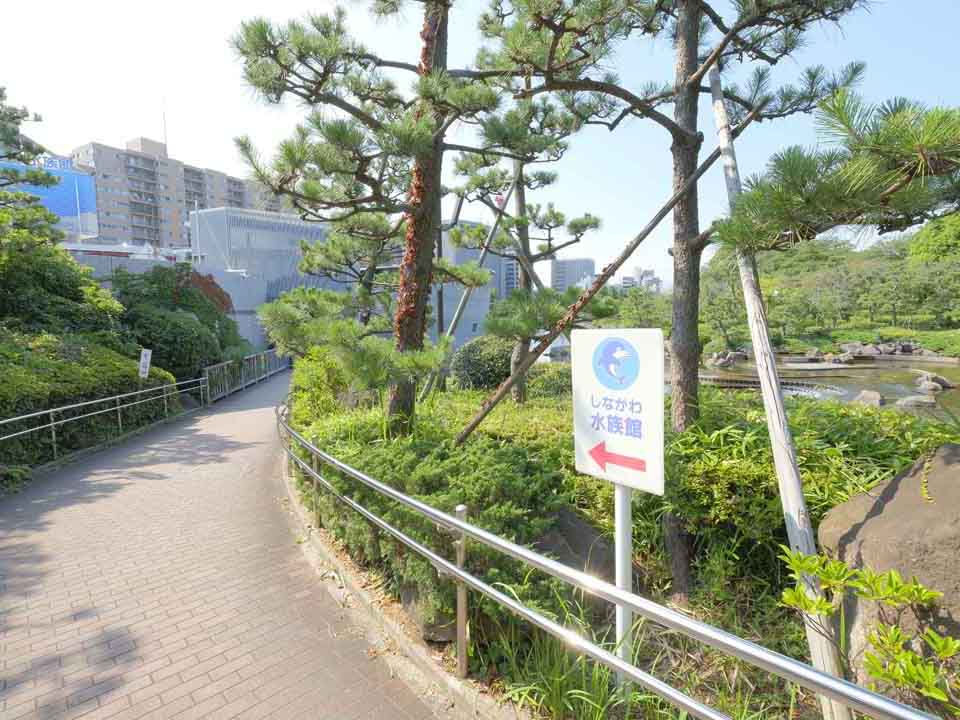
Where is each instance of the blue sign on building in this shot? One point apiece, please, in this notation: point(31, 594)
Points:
point(73, 199)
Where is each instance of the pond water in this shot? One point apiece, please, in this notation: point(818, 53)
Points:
point(893, 379)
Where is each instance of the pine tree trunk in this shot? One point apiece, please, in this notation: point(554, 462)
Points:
point(684, 334)
point(519, 355)
point(522, 347)
point(366, 283)
point(422, 226)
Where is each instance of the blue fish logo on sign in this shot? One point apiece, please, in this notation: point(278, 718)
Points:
point(616, 363)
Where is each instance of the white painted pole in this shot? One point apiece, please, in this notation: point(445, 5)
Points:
point(623, 557)
point(823, 652)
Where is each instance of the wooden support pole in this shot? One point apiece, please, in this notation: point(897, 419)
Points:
point(823, 651)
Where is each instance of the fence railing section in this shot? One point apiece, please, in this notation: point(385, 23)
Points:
point(228, 377)
point(111, 416)
point(308, 459)
point(101, 415)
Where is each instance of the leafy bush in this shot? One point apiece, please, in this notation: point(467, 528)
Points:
point(180, 342)
point(44, 289)
point(938, 240)
point(549, 379)
point(518, 469)
point(482, 364)
point(908, 658)
point(47, 371)
point(179, 289)
point(722, 482)
point(509, 491)
point(317, 386)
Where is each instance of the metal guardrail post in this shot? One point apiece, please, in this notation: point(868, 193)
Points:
point(53, 433)
point(119, 418)
point(315, 463)
point(461, 513)
point(166, 410)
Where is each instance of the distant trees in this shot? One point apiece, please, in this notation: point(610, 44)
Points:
point(891, 166)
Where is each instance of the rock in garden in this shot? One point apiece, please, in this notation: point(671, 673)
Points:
point(910, 524)
point(888, 349)
point(916, 401)
point(852, 347)
point(870, 350)
point(929, 377)
point(434, 625)
point(869, 397)
point(813, 354)
point(575, 542)
point(737, 356)
point(929, 387)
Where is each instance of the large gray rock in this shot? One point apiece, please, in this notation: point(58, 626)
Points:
point(901, 526)
point(852, 347)
point(434, 626)
point(928, 386)
point(928, 377)
point(813, 354)
point(869, 397)
point(870, 350)
point(916, 401)
point(575, 542)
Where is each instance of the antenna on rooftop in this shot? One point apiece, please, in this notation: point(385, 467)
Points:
point(163, 113)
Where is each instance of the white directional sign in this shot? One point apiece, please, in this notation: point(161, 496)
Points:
point(145, 362)
point(618, 405)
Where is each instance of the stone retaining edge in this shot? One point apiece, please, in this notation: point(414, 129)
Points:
point(470, 700)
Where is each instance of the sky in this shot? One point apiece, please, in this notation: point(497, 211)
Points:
point(108, 71)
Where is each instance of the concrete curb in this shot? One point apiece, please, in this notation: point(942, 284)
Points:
point(468, 700)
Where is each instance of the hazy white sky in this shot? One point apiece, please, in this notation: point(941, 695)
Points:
point(106, 71)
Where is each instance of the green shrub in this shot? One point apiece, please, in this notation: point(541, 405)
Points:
point(46, 371)
point(518, 469)
point(482, 364)
point(180, 289)
point(44, 289)
point(317, 386)
point(549, 379)
point(180, 342)
point(508, 490)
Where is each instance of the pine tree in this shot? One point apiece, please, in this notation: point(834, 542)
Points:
point(565, 47)
point(538, 131)
point(23, 220)
point(368, 148)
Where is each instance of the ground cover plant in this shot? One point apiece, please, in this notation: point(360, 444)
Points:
point(518, 472)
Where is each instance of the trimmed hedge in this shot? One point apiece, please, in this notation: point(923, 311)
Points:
point(549, 379)
point(48, 371)
point(482, 364)
point(180, 342)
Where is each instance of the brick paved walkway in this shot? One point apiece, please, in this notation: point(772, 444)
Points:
point(160, 579)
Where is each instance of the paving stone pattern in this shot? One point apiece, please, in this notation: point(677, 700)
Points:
point(160, 579)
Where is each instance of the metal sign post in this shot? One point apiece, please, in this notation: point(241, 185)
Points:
point(618, 431)
point(145, 363)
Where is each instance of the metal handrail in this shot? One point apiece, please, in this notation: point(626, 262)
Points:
point(99, 400)
point(114, 406)
point(854, 696)
point(229, 376)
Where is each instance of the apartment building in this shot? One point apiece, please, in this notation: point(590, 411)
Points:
point(567, 273)
point(144, 197)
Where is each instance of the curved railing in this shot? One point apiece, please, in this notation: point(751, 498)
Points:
point(218, 381)
point(228, 377)
point(854, 696)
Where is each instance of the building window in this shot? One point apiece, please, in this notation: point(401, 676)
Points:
point(474, 327)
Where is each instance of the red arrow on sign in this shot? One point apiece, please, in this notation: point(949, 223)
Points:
point(600, 455)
